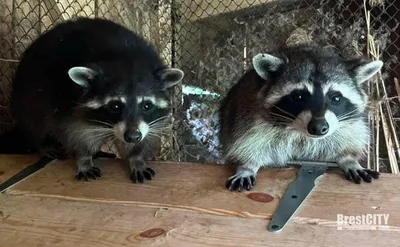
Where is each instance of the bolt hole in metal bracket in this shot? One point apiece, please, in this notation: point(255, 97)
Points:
point(297, 191)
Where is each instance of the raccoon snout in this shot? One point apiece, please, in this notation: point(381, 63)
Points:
point(133, 137)
point(318, 127)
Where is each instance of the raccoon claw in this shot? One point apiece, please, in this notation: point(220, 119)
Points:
point(140, 175)
point(92, 173)
point(357, 175)
point(240, 183)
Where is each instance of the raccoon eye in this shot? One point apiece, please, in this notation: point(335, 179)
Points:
point(115, 106)
point(297, 96)
point(147, 106)
point(335, 99)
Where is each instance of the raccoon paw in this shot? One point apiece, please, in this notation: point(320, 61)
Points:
point(240, 181)
point(138, 175)
point(92, 173)
point(358, 174)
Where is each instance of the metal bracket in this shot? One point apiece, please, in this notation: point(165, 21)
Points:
point(296, 193)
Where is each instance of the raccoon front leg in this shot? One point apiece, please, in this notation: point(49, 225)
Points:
point(86, 169)
point(135, 154)
point(139, 170)
point(244, 178)
point(353, 171)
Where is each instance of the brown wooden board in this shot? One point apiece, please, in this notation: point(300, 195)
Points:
point(12, 164)
point(185, 205)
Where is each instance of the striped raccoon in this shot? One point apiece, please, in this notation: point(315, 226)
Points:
point(298, 103)
point(89, 81)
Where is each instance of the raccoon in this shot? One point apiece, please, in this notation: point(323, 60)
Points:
point(297, 103)
point(88, 81)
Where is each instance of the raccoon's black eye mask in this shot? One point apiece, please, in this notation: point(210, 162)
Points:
point(336, 98)
point(299, 96)
point(147, 107)
point(115, 106)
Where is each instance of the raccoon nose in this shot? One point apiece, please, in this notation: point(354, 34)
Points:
point(318, 127)
point(131, 137)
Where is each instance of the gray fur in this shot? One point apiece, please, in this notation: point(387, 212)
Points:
point(81, 75)
point(90, 81)
point(252, 139)
point(266, 63)
point(366, 71)
point(171, 77)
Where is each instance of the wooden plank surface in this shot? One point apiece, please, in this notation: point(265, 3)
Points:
point(187, 205)
point(12, 164)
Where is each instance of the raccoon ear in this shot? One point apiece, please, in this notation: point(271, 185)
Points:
point(363, 71)
point(264, 64)
point(82, 75)
point(170, 77)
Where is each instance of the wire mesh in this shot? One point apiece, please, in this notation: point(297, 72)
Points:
point(212, 42)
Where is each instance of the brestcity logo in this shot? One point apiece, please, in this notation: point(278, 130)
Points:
point(363, 222)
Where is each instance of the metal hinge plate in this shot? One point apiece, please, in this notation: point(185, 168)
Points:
point(296, 193)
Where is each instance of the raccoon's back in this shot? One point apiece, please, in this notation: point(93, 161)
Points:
point(41, 85)
point(239, 107)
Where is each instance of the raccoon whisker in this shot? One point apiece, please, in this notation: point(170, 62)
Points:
point(348, 118)
point(93, 130)
point(153, 135)
point(282, 123)
point(279, 116)
point(157, 120)
point(277, 120)
point(101, 122)
point(283, 111)
point(160, 127)
point(290, 115)
point(157, 132)
point(348, 113)
point(99, 137)
point(78, 104)
point(95, 137)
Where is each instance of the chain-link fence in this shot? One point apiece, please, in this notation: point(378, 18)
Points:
point(212, 41)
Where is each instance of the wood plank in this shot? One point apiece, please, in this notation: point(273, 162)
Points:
point(60, 222)
point(201, 188)
point(189, 202)
point(12, 164)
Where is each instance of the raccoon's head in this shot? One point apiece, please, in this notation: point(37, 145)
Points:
point(312, 90)
point(128, 101)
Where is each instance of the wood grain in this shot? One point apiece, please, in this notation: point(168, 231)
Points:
point(12, 164)
point(186, 205)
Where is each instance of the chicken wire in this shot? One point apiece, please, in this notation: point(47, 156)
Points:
point(212, 42)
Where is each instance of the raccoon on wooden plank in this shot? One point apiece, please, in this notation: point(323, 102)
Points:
point(89, 81)
point(299, 103)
